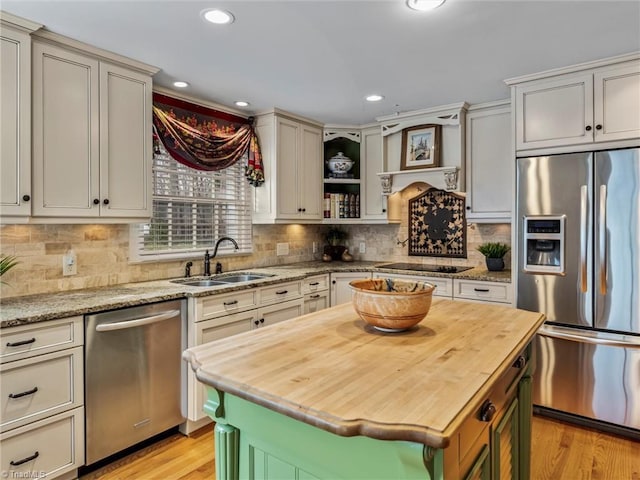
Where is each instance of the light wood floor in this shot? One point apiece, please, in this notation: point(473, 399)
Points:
point(560, 451)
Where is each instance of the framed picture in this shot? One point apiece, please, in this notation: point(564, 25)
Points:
point(420, 147)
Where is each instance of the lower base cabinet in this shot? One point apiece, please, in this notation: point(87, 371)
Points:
point(47, 448)
point(340, 289)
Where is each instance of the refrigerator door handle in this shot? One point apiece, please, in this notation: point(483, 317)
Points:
point(591, 337)
point(583, 238)
point(602, 240)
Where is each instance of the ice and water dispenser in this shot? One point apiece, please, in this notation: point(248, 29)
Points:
point(544, 244)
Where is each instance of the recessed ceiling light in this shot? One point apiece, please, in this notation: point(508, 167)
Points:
point(217, 16)
point(373, 98)
point(424, 5)
point(180, 84)
point(241, 103)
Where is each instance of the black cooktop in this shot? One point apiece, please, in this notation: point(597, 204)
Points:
point(424, 268)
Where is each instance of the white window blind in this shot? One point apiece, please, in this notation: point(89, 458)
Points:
point(192, 209)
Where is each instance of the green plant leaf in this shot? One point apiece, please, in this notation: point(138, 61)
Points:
point(493, 249)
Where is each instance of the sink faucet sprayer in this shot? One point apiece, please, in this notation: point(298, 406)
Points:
point(207, 257)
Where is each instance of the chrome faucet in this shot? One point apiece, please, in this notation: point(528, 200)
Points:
point(207, 257)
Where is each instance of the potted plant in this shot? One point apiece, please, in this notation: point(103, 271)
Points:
point(7, 262)
point(494, 253)
point(335, 237)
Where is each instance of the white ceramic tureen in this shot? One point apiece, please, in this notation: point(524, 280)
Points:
point(340, 163)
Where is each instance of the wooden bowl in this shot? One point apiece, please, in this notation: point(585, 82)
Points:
point(391, 305)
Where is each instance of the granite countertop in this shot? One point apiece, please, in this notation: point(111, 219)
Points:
point(448, 364)
point(37, 308)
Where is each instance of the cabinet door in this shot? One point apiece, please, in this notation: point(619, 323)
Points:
point(288, 190)
point(310, 173)
point(490, 163)
point(373, 203)
point(340, 289)
point(481, 468)
point(125, 143)
point(504, 445)
point(617, 102)
point(279, 312)
point(65, 133)
point(15, 123)
point(556, 112)
point(314, 302)
point(209, 331)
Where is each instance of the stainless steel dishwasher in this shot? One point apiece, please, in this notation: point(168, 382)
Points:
point(133, 375)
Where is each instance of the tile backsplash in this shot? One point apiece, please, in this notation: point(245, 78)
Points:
point(102, 252)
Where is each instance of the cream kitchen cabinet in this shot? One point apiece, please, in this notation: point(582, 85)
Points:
point(489, 163)
point(41, 377)
point(316, 293)
point(597, 102)
point(482, 291)
point(92, 136)
point(374, 204)
point(444, 286)
point(292, 155)
point(340, 289)
point(15, 120)
point(222, 315)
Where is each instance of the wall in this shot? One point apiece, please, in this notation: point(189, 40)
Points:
point(102, 256)
point(102, 253)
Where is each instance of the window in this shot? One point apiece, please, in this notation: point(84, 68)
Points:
point(191, 210)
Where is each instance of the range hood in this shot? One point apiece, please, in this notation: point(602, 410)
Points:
point(443, 178)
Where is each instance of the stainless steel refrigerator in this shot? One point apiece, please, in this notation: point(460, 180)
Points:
point(579, 263)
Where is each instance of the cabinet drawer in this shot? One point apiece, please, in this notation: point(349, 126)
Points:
point(484, 291)
point(35, 339)
point(444, 286)
point(44, 449)
point(224, 304)
point(504, 390)
point(317, 283)
point(280, 293)
point(40, 387)
point(314, 302)
point(279, 312)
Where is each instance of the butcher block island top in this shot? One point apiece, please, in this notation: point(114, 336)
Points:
point(331, 370)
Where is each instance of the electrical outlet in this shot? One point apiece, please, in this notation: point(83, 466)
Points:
point(282, 249)
point(69, 263)
point(315, 247)
point(363, 247)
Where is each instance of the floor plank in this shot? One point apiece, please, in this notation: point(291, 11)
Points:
point(560, 451)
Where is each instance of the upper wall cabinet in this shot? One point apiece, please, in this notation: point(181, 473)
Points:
point(15, 120)
point(489, 162)
point(92, 137)
point(292, 156)
point(596, 102)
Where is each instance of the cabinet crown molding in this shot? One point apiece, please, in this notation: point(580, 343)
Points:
point(84, 48)
point(605, 62)
point(10, 20)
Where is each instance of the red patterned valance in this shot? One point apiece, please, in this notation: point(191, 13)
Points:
point(206, 139)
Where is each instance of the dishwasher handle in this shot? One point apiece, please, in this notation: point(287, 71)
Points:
point(137, 322)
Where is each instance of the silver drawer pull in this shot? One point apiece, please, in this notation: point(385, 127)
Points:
point(232, 302)
point(15, 463)
point(480, 289)
point(282, 292)
point(21, 342)
point(23, 394)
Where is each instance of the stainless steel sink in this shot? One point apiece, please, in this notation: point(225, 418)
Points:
point(221, 280)
point(200, 283)
point(242, 277)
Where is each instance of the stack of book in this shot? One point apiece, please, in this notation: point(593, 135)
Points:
point(341, 205)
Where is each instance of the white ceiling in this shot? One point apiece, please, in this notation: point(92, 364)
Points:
point(320, 58)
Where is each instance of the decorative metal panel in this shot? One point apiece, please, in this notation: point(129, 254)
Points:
point(437, 224)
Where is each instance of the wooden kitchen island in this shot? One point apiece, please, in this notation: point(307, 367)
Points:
point(326, 396)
